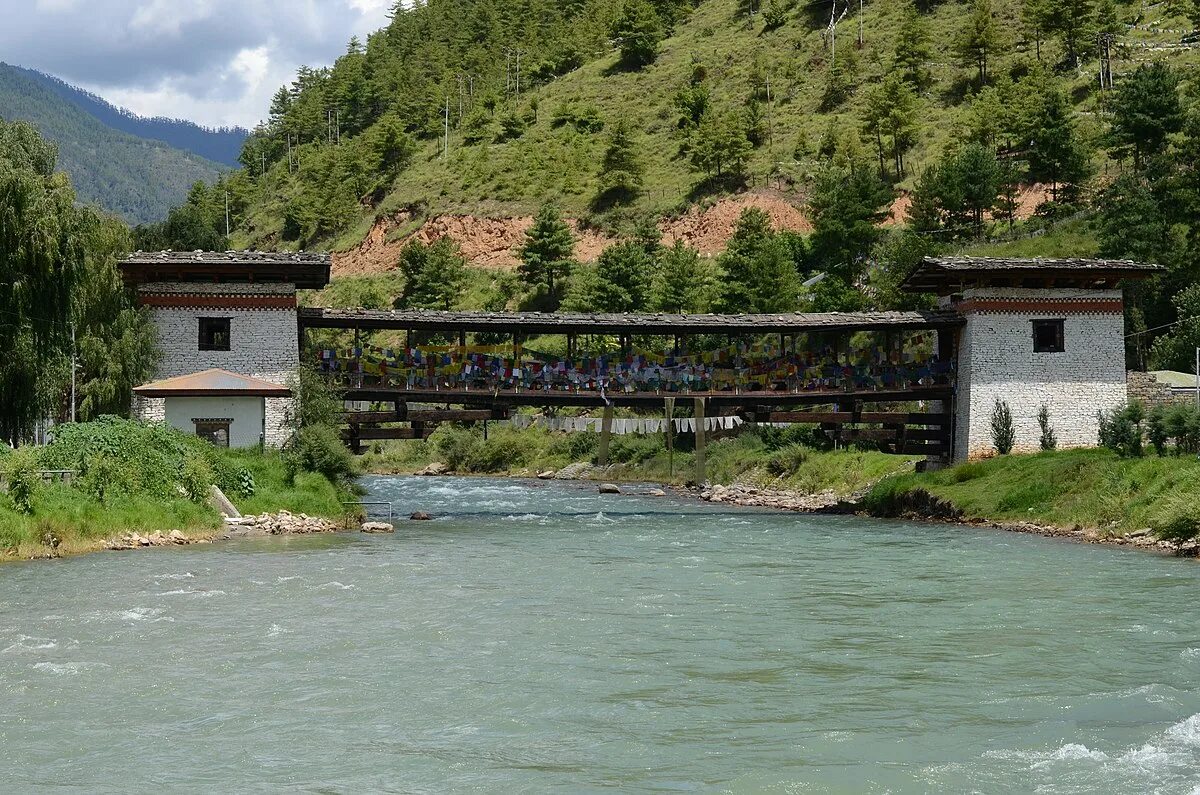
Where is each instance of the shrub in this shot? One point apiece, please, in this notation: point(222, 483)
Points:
point(635, 449)
point(318, 448)
point(497, 455)
point(23, 478)
point(455, 446)
point(1156, 430)
point(576, 446)
point(787, 460)
point(1004, 435)
point(968, 471)
point(1048, 440)
point(1121, 429)
point(1177, 521)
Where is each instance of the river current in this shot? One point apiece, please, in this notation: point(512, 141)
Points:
point(539, 636)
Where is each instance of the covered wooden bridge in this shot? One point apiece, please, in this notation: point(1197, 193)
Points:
point(763, 367)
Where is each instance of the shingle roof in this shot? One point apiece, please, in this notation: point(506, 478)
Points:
point(613, 323)
point(305, 270)
point(212, 383)
point(935, 272)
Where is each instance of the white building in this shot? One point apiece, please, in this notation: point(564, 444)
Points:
point(227, 331)
point(1038, 332)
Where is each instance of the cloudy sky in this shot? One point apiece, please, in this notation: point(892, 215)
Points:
point(216, 62)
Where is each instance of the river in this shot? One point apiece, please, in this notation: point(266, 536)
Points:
point(539, 636)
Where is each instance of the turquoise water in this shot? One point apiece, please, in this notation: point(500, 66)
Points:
point(538, 637)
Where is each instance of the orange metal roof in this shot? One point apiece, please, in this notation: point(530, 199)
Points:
point(212, 383)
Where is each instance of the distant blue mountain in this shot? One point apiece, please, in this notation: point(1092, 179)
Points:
point(222, 145)
point(139, 178)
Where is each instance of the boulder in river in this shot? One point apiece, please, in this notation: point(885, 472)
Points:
point(436, 468)
point(547, 475)
point(420, 516)
point(377, 527)
point(609, 488)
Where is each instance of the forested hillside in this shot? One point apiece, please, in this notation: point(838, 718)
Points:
point(221, 145)
point(1025, 126)
point(136, 178)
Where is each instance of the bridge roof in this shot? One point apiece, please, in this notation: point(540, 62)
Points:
point(305, 270)
point(936, 274)
point(612, 323)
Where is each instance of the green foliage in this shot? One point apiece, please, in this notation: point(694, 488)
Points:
point(891, 115)
point(957, 192)
point(1177, 520)
point(980, 38)
point(318, 448)
point(720, 148)
point(621, 170)
point(620, 281)
point(547, 255)
point(138, 178)
point(638, 32)
point(1146, 110)
point(22, 478)
point(1156, 430)
point(583, 116)
point(682, 282)
point(317, 401)
point(1121, 429)
point(913, 51)
point(848, 202)
point(434, 274)
point(1048, 440)
point(1004, 434)
point(760, 274)
point(786, 460)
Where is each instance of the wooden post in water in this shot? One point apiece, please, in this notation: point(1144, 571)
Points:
point(605, 435)
point(700, 475)
point(669, 404)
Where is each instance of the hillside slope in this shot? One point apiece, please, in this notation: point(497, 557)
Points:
point(135, 178)
point(221, 145)
point(508, 152)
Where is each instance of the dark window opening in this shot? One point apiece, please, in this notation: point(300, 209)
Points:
point(216, 432)
point(1048, 336)
point(214, 333)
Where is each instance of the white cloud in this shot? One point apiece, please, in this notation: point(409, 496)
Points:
point(217, 62)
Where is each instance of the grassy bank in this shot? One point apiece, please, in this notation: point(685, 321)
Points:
point(782, 459)
point(133, 477)
point(1092, 489)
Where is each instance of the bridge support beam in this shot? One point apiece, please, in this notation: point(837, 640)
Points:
point(605, 435)
point(701, 474)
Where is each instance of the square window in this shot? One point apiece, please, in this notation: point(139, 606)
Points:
point(214, 333)
point(1048, 336)
point(216, 432)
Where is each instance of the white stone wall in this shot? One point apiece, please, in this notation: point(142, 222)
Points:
point(149, 409)
point(246, 413)
point(997, 361)
point(263, 343)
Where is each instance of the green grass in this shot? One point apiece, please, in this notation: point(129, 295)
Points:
point(559, 164)
point(1085, 488)
point(1073, 238)
point(745, 458)
point(80, 522)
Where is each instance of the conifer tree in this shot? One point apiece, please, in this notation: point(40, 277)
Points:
point(1146, 109)
point(621, 169)
point(760, 275)
point(621, 282)
point(979, 39)
point(1057, 153)
point(434, 274)
point(1035, 17)
point(913, 51)
point(546, 256)
point(638, 31)
point(848, 202)
point(1071, 20)
point(720, 147)
point(681, 283)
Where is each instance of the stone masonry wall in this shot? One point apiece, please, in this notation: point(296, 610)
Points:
point(1147, 390)
point(997, 361)
point(263, 342)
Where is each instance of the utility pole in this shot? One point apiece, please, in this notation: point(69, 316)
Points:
point(770, 123)
point(227, 204)
point(74, 365)
point(337, 125)
point(446, 130)
point(1105, 42)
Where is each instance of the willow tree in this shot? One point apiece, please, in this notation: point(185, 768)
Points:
point(57, 270)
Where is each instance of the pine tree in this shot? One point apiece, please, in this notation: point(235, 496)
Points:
point(720, 147)
point(638, 32)
point(847, 204)
point(1071, 19)
point(913, 51)
point(1146, 109)
point(979, 38)
point(546, 256)
point(1035, 16)
point(434, 274)
point(760, 274)
point(621, 169)
point(681, 283)
point(891, 115)
point(1057, 153)
point(621, 282)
